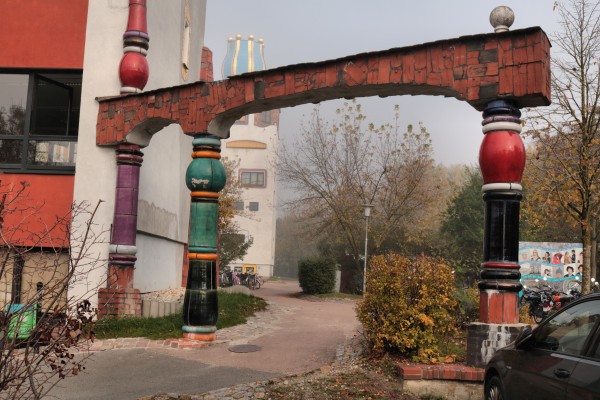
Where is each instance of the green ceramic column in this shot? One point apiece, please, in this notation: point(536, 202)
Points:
point(205, 177)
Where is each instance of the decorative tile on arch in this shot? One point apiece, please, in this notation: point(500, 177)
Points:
point(513, 65)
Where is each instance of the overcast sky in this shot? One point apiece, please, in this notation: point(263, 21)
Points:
point(297, 31)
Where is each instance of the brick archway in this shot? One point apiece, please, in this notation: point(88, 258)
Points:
point(477, 69)
point(496, 73)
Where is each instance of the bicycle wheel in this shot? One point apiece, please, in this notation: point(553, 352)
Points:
point(252, 282)
point(223, 282)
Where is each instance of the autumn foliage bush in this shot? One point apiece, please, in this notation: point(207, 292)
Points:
point(408, 306)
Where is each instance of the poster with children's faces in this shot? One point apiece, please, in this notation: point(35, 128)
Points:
point(551, 260)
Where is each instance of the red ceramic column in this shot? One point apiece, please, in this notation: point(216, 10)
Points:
point(502, 161)
point(133, 69)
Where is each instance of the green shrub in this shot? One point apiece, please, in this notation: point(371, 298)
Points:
point(408, 306)
point(316, 275)
point(468, 306)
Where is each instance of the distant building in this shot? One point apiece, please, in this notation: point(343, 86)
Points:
point(253, 142)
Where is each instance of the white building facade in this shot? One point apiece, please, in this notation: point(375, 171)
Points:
point(253, 144)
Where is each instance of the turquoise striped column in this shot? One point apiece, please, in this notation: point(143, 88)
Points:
point(205, 177)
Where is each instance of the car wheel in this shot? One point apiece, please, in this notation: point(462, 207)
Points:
point(494, 389)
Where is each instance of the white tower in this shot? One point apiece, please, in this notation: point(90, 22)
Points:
point(253, 143)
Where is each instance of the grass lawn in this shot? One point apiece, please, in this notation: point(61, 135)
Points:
point(234, 309)
point(339, 296)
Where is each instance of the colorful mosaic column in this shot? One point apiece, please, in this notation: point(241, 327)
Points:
point(205, 177)
point(120, 297)
point(133, 69)
point(502, 161)
point(123, 238)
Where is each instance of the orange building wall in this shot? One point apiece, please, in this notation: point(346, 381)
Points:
point(42, 33)
point(32, 219)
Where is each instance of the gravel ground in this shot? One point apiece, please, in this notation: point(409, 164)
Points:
point(166, 295)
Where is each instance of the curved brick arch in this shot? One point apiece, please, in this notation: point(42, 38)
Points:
point(513, 65)
point(142, 133)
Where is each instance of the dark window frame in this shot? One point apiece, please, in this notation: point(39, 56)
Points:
point(26, 157)
point(253, 171)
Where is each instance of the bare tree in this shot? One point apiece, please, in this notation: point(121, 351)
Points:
point(566, 135)
point(232, 245)
point(336, 168)
point(42, 324)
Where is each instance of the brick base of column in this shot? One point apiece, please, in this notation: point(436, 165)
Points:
point(120, 276)
point(204, 337)
point(119, 302)
point(484, 339)
point(499, 307)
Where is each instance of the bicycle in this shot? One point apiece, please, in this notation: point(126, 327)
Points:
point(260, 279)
point(250, 281)
point(226, 279)
point(255, 281)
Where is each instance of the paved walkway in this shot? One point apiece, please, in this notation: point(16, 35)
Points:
point(143, 343)
point(295, 335)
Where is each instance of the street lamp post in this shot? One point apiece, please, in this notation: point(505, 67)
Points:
point(367, 208)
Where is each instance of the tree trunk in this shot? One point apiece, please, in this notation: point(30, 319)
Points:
point(586, 236)
point(593, 270)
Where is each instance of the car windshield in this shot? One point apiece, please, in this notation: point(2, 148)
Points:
point(567, 332)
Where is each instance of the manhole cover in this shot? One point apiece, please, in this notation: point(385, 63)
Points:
point(244, 348)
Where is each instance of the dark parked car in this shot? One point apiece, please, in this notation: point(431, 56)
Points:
point(559, 359)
